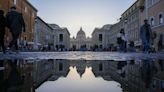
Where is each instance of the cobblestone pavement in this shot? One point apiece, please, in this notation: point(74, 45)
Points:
point(83, 55)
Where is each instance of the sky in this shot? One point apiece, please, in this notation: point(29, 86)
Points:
point(87, 14)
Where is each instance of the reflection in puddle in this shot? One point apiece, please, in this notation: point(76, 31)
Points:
point(81, 76)
point(74, 83)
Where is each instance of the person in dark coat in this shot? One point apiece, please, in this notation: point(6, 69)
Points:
point(146, 36)
point(160, 43)
point(16, 25)
point(2, 30)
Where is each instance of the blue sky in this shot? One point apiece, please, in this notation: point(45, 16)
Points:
point(74, 14)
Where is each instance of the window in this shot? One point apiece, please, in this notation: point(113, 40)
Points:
point(60, 67)
point(152, 22)
point(15, 2)
point(160, 19)
point(0, 4)
point(61, 37)
point(100, 37)
point(25, 38)
point(33, 15)
point(154, 84)
point(100, 67)
point(25, 9)
point(150, 2)
point(101, 46)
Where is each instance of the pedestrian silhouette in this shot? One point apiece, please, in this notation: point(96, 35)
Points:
point(146, 36)
point(16, 26)
point(3, 24)
point(13, 82)
point(160, 43)
point(121, 41)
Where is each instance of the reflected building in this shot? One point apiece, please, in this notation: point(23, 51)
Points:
point(101, 69)
point(61, 67)
point(80, 66)
point(133, 75)
point(157, 83)
point(42, 70)
point(138, 75)
point(16, 76)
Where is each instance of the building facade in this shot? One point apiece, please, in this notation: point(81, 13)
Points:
point(115, 29)
point(133, 18)
point(155, 11)
point(44, 35)
point(100, 37)
point(81, 42)
point(62, 38)
point(131, 22)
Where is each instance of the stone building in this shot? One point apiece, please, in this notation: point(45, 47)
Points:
point(81, 42)
point(29, 13)
point(42, 70)
point(131, 22)
point(156, 18)
point(62, 38)
point(100, 37)
point(133, 18)
point(115, 29)
point(44, 34)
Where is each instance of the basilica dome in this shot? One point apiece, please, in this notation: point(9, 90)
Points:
point(81, 34)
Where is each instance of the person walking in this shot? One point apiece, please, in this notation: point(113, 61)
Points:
point(132, 46)
point(16, 25)
point(3, 24)
point(160, 43)
point(146, 36)
point(121, 41)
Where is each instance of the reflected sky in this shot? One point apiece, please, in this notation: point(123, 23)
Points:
point(74, 83)
point(24, 75)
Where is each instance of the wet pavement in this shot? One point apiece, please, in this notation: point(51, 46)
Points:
point(81, 72)
point(82, 55)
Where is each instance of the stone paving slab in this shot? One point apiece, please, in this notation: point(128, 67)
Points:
point(83, 56)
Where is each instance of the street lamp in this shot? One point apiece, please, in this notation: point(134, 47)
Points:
point(126, 31)
point(144, 6)
point(146, 9)
point(35, 35)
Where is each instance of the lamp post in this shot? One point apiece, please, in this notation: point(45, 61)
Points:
point(36, 36)
point(146, 9)
point(126, 31)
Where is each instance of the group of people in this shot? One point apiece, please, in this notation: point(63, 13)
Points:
point(15, 23)
point(146, 35)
